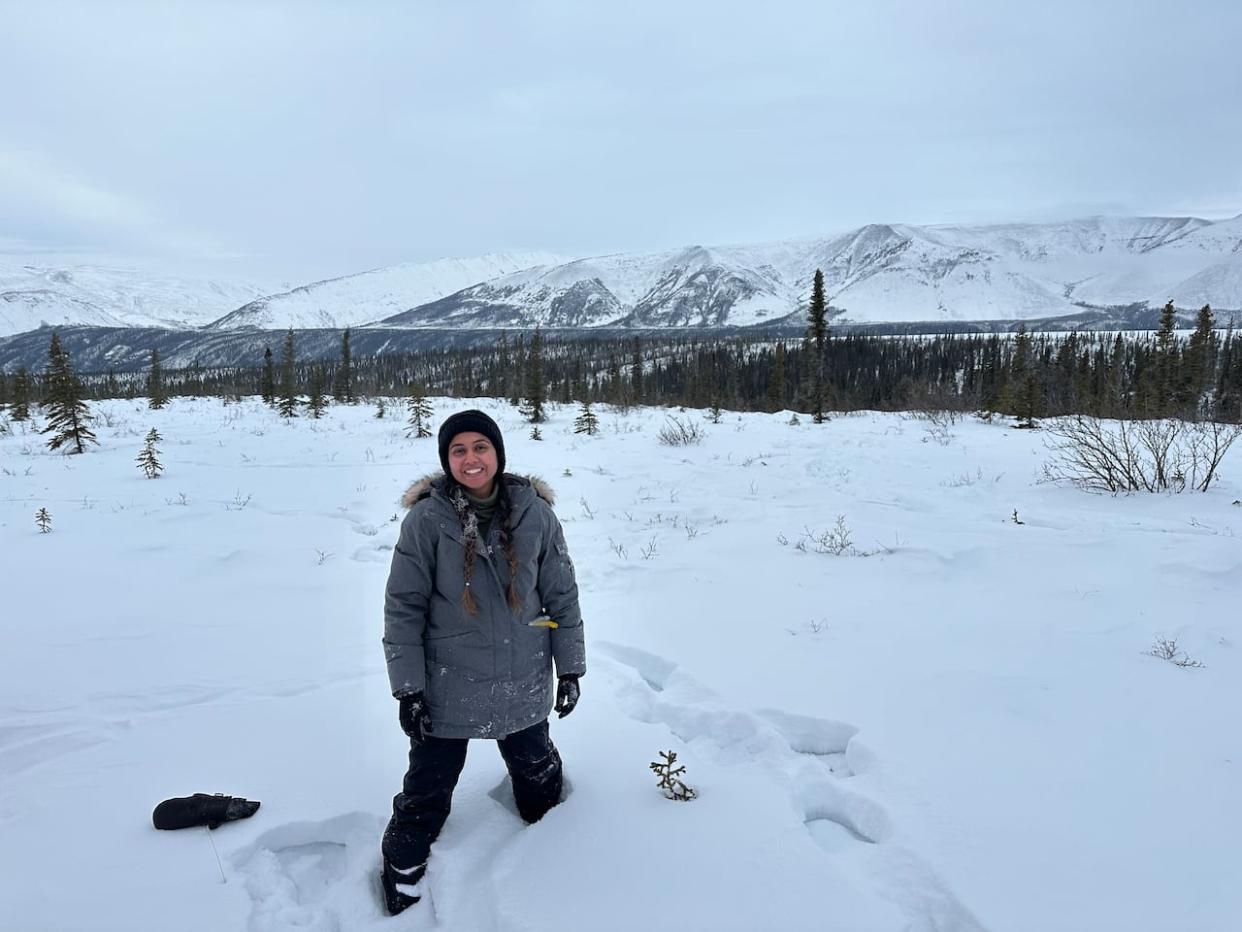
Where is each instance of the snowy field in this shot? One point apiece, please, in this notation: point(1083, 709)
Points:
point(954, 726)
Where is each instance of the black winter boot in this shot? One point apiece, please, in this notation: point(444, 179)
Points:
point(399, 886)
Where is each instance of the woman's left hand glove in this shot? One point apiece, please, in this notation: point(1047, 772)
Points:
point(415, 719)
point(567, 693)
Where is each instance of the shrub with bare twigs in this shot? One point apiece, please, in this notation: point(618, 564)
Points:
point(677, 432)
point(1165, 455)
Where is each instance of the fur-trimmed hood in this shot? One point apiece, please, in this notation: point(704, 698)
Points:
point(422, 488)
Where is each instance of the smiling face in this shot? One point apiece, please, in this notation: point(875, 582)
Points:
point(472, 461)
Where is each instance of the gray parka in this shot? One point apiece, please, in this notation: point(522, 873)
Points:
point(490, 674)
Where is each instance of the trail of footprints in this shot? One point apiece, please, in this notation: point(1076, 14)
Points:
point(307, 875)
point(818, 757)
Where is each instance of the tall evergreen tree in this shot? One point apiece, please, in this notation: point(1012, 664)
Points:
point(636, 372)
point(535, 396)
point(157, 395)
point(816, 337)
point(515, 379)
point(503, 378)
point(343, 383)
point(68, 414)
point(1200, 361)
point(776, 384)
point(19, 405)
point(1163, 372)
point(267, 382)
point(315, 402)
point(1025, 398)
point(288, 403)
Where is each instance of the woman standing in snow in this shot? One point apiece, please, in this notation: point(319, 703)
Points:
point(481, 600)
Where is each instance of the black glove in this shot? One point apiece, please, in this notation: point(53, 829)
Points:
point(567, 693)
point(415, 719)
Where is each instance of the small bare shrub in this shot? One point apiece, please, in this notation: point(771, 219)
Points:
point(677, 432)
point(1167, 649)
point(937, 425)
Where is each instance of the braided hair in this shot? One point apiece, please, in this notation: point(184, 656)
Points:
point(469, 532)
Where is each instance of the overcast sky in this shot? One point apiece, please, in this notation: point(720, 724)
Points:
point(303, 140)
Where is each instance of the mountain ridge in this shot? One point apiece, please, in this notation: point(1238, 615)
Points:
point(879, 273)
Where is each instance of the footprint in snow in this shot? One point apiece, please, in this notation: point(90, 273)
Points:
point(818, 758)
point(316, 876)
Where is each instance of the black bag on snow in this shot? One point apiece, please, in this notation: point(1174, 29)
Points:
point(202, 809)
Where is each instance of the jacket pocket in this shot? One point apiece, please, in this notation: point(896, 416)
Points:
point(459, 656)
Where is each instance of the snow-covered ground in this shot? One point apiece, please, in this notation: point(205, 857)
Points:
point(960, 730)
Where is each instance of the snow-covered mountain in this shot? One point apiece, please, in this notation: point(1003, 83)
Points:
point(34, 293)
point(367, 296)
point(877, 273)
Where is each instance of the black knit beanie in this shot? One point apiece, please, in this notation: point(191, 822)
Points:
point(479, 423)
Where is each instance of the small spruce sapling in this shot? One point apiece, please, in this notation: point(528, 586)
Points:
point(43, 518)
point(535, 434)
point(671, 783)
point(420, 415)
point(379, 409)
point(149, 458)
point(586, 422)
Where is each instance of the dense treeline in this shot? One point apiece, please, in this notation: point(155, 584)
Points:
point(1025, 375)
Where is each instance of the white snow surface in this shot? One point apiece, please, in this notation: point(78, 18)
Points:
point(960, 731)
point(353, 300)
point(33, 293)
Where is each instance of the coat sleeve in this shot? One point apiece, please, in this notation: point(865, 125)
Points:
point(558, 589)
point(405, 605)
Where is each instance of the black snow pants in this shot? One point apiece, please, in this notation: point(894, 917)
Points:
point(421, 808)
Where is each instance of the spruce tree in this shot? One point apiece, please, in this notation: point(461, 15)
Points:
point(615, 393)
point(515, 377)
point(267, 382)
point(315, 402)
point(19, 404)
point(288, 403)
point(157, 396)
point(68, 414)
point(4, 390)
point(1025, 399)
point(816, 337)
point(1200, 360)
point(43, 520)
point(534, 381)
point(343, 383)
point(149, 458)
point(1163, 373)
point(503, 378)
point(776, 385)
point(586, 422)
point(636, 372)
point(420, 414)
